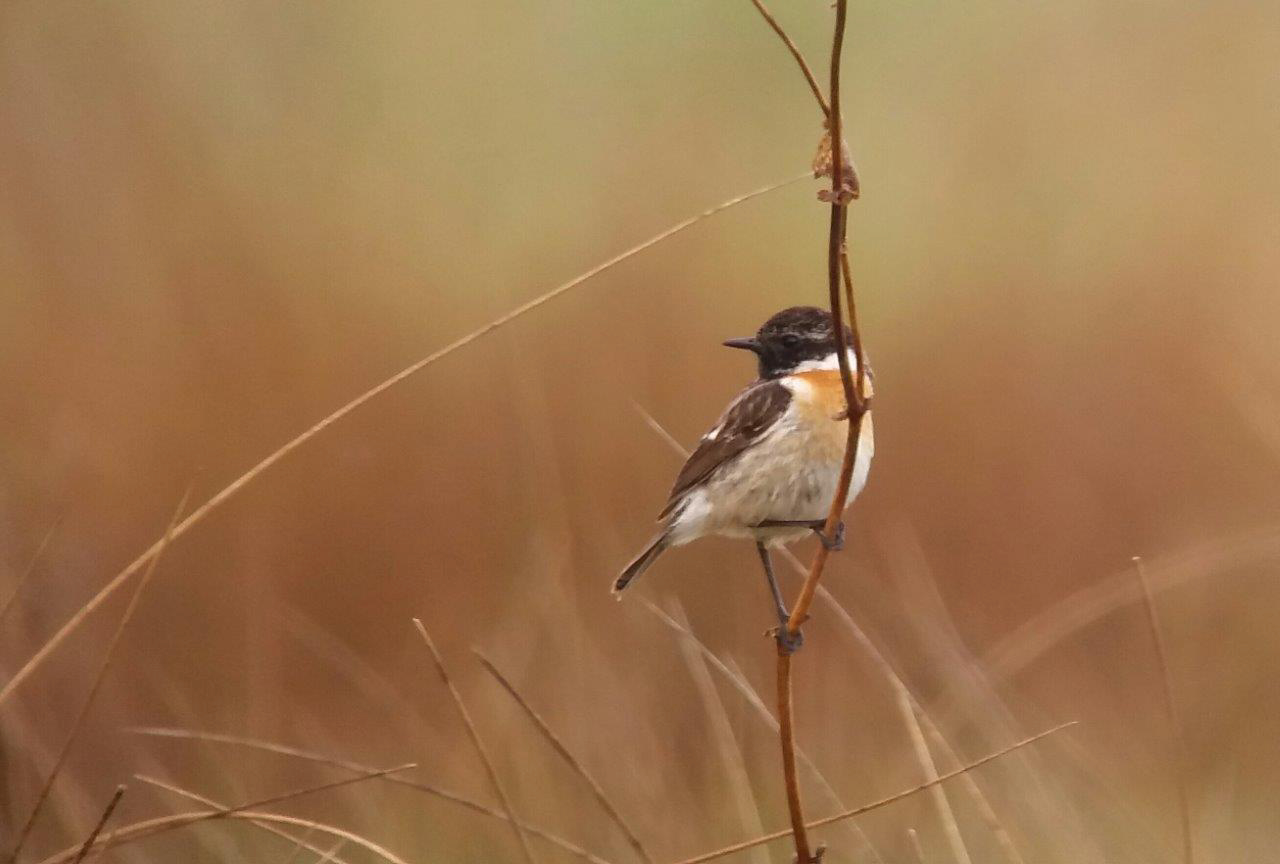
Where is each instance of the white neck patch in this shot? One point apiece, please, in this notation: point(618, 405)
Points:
point(831, 361)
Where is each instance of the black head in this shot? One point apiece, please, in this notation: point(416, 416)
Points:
point(791, 337)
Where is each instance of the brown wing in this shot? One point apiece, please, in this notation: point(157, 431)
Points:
point(748, 417)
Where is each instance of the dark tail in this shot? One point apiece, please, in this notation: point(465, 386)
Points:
point(642, 562)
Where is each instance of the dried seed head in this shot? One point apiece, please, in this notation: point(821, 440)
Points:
point(822, 167)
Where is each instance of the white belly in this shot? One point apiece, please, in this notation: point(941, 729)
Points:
point(790, 474)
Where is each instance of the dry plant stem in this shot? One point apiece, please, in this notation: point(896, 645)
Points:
point(787, 735)
point(800, 610)
point(162, 824)
point(795, 52)
point(99, 677)
point(476, 742)
point(31, 568)
point(102, 821)
point(237, 485)
point(875, 805)
point(1171, 711)
point(300, 843)
point(554, 740)
point(915, 718)
point(319, 759)
point(835, 245)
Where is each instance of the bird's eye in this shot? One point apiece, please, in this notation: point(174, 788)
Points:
point(791, 340)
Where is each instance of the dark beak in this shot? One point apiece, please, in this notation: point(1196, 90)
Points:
point(746, 344)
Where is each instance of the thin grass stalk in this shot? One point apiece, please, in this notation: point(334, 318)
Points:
point(320, 759)
point(332, 853)
point(162, 824)
point(875, 805)
point(1042, 794)
point(237, 485)
point(99, 677)
point(739, 682)
point(476, 742)
point(1031, 639)
point(1171, 712)
point(102, 821)
point(170, 823)
point(795, 52)
point(299, 843)
point(726, 743)
point(30, 568)
point(913, 839)
point(950, 829)
point(852, 182)
point(556, 744)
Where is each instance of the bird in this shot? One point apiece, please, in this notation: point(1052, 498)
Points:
point(768, 469)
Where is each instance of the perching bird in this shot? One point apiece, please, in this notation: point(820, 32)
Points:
point(769, 468)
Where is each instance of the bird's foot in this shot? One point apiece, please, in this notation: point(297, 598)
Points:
point(817, 526)
point(817, 855)
point(788, 642)
point(831, 544)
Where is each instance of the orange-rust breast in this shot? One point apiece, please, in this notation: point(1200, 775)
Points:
point(826, 392)
point(820, 400)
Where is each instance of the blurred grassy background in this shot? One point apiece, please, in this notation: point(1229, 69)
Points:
point(220, 221)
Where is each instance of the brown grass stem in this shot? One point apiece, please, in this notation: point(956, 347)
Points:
point(477, 742)
point(321, 759)
point(787, 735)
point(99, 676)
point(1171, 712)
point(559, 746)
point(237, 485)
point(875, 805)
point(162, 824)
point(852, 390)
point(30, 568)
point(855, 411)
point(300, 843)
point(102, 822)
point(795, 52)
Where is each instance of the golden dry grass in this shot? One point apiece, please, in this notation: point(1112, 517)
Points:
point(219, 223)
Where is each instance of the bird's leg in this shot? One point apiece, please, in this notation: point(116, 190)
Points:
point(786, 641)
point(817, 526)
